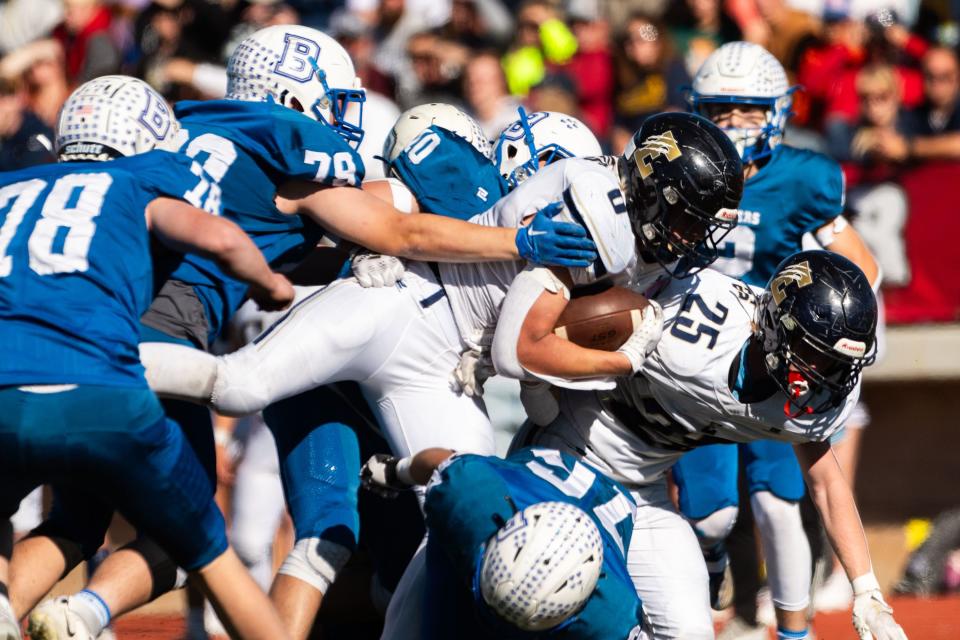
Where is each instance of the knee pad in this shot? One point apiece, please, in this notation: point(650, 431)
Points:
point(715, 528)
point(316, 562)
point(239, 388)
point(164, 572)
point(75, 548)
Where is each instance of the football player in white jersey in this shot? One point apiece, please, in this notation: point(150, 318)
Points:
point(340, 336)
point(733, 366)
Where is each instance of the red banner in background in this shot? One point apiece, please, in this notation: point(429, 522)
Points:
point(932, 239)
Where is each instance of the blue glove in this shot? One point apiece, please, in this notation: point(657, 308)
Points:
point(561, 244)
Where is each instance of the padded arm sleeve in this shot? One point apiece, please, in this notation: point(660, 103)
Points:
point(524, 292)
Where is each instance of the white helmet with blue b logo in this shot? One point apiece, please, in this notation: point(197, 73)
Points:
point(745, 73)
point(303, 69)
point(541, 137)
point(113, 116)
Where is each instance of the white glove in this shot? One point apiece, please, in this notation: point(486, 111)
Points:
point(375, 270)
point(472, 371)
point(645, 337)
point(385, 475)
point(872, 616)
point(539, 402)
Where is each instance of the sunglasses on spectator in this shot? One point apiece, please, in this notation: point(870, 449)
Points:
point(876, 96)
point(945, 76)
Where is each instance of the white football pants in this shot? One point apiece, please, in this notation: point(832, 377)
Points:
point(400, 343)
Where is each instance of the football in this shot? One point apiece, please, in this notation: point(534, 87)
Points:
point(601, 320)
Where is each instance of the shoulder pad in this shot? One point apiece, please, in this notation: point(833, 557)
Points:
point(594, 200)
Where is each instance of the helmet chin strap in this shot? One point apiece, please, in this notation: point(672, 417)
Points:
point(797, 386)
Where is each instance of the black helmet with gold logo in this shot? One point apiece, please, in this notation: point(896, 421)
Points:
point(818, 323)
point(683, 179)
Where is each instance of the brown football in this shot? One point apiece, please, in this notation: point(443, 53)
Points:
point(602, 320)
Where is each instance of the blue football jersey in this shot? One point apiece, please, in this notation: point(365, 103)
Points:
point(75, 271)
point(796, 192)
point(248, 149)
point(448, 176)
point(475, 495)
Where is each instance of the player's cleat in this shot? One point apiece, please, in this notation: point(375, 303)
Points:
point(55, 620)
point(740, 629)
point(835, 594)
point(9, 627)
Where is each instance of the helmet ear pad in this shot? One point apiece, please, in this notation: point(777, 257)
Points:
point(684, 180)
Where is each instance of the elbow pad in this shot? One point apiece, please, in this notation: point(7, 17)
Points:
point(524, 292)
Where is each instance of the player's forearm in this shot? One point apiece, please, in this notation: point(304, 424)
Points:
point(187, 229)
point(370, 222)
point(424, 463)
point(832, 496)
point(851, 246)
point(437, 238)
point(553, 356)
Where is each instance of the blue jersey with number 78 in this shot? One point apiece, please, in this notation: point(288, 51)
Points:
point(249, 149)
point(472, 496)
point(75, 271)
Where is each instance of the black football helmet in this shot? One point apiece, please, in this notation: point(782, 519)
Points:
point(683, 179)
point(818, 323)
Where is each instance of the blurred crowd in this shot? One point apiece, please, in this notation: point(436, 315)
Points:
point(877, 80)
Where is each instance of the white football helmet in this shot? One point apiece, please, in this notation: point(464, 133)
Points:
point(745, 73)
point(541, 136)
point(542, 565)
point(416, 120)
point(303, 69)
point(113, 116)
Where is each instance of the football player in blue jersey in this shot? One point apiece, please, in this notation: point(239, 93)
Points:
point(75, 276)
point(267, 163)
point(527, 547)
point(438, 162)
point(788, 193)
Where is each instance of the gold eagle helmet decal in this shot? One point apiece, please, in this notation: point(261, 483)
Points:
point(799, 273)
point(663, 144)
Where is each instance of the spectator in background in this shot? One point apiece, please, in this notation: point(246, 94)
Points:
point(789, 30)
point(650, 77)
point(485, 90)
point(23, 21)
point(556, 92)
point(542, 39)
point(38, 68)
point(24, 139)
point(879, 204)
point(87, 44)
point(437, 68)
point(698, 27)
point(839, 49)
point(591, 68)
point(933, 129)
point(479, 24)
point(356, 36)
point(887, 42)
